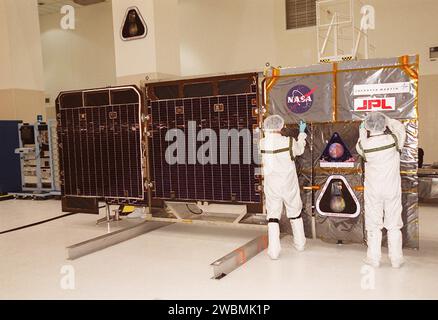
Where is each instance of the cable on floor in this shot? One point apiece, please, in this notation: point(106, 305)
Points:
point(37, 223)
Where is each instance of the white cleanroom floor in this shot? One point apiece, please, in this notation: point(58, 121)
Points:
point(174, 263)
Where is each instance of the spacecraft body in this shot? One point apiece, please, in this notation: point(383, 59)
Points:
point(174, 144)
point(334, 99)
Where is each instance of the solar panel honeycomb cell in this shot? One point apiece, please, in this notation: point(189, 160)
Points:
point(228, 175)
point(99, 133)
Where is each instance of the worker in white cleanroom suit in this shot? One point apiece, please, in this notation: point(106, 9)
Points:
point(281, 182)
point(383, 208)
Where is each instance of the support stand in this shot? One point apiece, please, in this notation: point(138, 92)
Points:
point(109, 218)
point(227, 264)
point(83, 248)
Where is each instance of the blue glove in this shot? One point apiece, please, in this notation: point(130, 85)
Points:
point(362, 125)
point(303, 126)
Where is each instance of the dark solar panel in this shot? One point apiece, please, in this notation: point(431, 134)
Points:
point(195, 181)
point(166, 92)
point(100, 144)
point(96, 98)
point(198, 89)
point(234, 86)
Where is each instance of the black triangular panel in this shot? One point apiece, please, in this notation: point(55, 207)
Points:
point(134, 26)
point(336, 150)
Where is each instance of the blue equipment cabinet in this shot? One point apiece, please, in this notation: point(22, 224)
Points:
point(10, 171)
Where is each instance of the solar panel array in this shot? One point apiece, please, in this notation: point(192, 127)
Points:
point(216, 182)
point(99, 134)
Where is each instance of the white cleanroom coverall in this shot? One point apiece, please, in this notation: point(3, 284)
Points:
point(281, 186)
point(383, 207)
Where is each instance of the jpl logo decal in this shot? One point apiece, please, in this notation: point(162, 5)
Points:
point(374, 104)
point(300, 99)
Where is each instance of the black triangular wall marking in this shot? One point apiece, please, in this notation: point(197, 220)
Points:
point(134, 26)
point(329, 153)
point(337, 199)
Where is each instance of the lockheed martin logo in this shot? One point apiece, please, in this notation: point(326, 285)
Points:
point(300, 99)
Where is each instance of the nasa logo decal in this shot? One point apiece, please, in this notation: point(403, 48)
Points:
point(300, 99)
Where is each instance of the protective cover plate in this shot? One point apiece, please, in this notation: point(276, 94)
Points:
point(100, 150)
point(321, 82)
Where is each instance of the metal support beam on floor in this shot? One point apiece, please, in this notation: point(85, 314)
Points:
point(83, 248)
point(238, 257)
